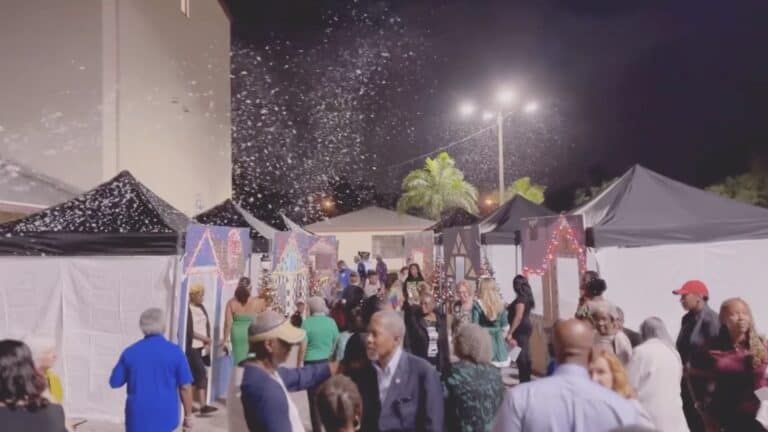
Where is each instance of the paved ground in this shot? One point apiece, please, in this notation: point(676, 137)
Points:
point(218, 421)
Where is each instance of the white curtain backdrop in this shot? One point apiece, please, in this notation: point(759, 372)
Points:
point(91, 307)
point(641, 280)
point(504, 259)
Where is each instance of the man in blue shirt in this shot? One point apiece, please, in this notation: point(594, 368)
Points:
point(568, 400)
point(344, 272)
point(262, 385)
point(157, 374)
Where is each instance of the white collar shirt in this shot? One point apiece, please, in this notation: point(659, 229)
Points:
point(384, 376)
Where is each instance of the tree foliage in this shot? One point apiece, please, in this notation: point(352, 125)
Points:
point(750, 188)
point(586, 194)
point(525, 188)
point(437, 187)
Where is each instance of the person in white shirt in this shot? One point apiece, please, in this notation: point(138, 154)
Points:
point(654, 367)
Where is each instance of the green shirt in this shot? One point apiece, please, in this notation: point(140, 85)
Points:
point(321, 337)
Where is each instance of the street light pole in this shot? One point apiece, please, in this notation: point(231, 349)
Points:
point(505, 98)
point(500, 124)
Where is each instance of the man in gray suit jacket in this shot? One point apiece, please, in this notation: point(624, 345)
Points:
point(400, 391)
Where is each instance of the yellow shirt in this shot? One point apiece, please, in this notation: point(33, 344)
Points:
point(54, 386)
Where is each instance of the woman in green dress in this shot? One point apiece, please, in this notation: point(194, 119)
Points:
point(490, 314)
point(238, 317)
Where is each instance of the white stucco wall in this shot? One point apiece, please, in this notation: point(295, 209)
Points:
point(350, 243)
point(51, 87)
point(93, 87)
point(173, 104)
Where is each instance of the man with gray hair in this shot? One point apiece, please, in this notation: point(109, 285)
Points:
point(157, 374)
point(401, 392)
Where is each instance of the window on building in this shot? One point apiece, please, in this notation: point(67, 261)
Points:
point(185, 7)
point(388, 246)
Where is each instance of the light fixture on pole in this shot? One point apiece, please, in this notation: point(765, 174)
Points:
point(506, 98)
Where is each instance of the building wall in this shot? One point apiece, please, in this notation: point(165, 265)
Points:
point(352, 242)
point(92, 87)
point(51, 82)
point(173, 102)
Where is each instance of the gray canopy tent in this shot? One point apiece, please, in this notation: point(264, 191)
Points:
point(503, 226)
point(644, 208)
point(648, 234)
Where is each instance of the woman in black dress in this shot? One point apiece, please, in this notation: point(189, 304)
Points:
point(427, 333)
point(22, 405)
point(520, 326)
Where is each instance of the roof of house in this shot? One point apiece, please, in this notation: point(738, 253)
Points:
point(370, 219)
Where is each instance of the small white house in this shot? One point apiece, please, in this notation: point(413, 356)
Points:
point(372, 229)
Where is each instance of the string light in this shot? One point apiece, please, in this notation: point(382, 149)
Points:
point(563, 228)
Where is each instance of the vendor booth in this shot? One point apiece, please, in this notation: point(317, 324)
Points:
point(649, 234)
point(81, 273)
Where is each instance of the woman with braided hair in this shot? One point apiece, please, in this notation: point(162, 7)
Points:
point(340, 405)
point(739, 368)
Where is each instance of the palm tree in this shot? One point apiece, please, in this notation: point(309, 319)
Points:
point(437, 187)
point(523, 187)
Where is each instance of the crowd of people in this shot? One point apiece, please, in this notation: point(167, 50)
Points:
point(382, 354)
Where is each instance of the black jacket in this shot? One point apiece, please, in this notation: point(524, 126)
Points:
point(417, 338)
point(414, 400)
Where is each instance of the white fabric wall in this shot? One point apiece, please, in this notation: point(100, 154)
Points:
point(91, 306)
point(641, 280)
point(506, 261)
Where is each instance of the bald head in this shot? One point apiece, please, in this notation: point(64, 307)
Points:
point(573, 340)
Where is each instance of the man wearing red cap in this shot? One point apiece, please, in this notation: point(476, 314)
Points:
point(700, 325)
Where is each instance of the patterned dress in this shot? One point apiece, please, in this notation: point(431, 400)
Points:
point(474, 393)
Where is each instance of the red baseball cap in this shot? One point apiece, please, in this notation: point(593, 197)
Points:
point(693, 287)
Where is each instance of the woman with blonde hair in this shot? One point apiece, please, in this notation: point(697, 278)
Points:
point(739, 361)
point(606, 369)
point(462, 309)
point(488, 311)
point(198, 346)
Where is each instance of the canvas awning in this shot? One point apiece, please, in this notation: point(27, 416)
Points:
point(502, 226)
point(644, 208)
point(118, 217)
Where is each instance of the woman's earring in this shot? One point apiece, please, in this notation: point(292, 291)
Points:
point(356, 423)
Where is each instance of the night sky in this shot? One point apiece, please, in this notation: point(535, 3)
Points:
point(678, 86)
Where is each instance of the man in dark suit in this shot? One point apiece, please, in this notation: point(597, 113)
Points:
point(400, 391)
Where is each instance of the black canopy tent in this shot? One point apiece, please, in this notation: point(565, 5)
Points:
point(118, 217)
point(644, 208)
point(503, 226)
point(453, 218)
point(230, 214)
